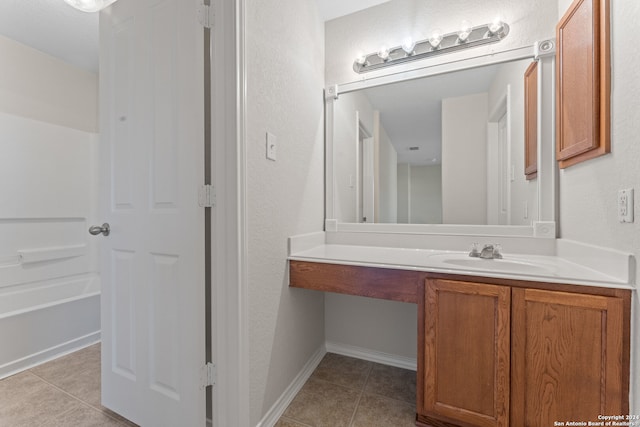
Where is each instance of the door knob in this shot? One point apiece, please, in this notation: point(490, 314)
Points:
point(97, 229)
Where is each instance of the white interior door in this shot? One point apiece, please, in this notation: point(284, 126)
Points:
point(152, 263)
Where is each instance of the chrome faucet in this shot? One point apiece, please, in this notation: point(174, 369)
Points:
point(489, 251)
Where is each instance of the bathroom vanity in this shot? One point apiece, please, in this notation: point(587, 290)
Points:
point(538, 338)
point(528, 340)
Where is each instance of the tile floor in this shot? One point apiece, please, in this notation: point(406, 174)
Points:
point(62, 393)
point(348, 392)
point(341, 392)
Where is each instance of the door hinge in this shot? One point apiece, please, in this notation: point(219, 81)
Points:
point(207, 196)
point(208, 375)
point(206, 16)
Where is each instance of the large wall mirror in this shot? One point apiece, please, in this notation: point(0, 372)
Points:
point(440, 146)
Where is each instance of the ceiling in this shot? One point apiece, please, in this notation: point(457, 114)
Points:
point(54, 27)
point(411, 111)
point(331, 9)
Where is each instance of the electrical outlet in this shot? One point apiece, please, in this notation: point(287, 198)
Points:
point(625, 205)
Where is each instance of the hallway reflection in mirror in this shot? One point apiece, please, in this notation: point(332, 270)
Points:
point(444, 149)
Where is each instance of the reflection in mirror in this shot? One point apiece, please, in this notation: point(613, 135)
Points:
point(444, 149)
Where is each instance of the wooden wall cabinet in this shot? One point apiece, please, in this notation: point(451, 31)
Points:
point(584, 87)
point(531, 121)
point(499, 355)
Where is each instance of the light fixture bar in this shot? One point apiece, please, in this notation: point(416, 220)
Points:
point(451, 42)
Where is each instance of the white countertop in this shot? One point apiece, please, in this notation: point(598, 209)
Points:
point(541, 268)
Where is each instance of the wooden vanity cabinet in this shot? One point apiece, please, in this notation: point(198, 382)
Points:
point(567, 357)
point(501, 352)
point(502, 355)
point(466, 353)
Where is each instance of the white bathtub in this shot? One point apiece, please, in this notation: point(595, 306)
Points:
point(41, 321)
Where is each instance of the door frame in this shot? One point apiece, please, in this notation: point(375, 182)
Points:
point(502, 109)
point(229, 293)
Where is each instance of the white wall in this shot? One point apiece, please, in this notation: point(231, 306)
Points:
point(48, 198)
point(426, 194)
point(44, 88)
point(588, 190)
point(349, 322)
point(522, 191)
point(419, 194)
point(404, 188)
point(48, 160)
point(464, 159)
point(49, 176)
point(348, 110)
point(386, 176)
point(284, 80)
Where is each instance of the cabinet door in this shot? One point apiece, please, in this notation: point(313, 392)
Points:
point(567, 357)
point(583, 89)
point(531, 121)
point(465, 354)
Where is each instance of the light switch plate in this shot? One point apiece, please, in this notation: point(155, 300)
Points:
point(272, 146)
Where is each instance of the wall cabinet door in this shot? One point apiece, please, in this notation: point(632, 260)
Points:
point(583, 89)
point(464, 354)
point(531, 121)
point(567, 357)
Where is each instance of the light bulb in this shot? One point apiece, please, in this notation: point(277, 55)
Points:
point(435, 38)
point(361, 58)
point(383, 53)
point(465, 30)
point(89, 5)
point(496, 26)
point(408, 44)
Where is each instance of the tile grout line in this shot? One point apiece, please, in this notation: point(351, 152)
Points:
point(295, 421)
point(87, 404)
point(364, 387)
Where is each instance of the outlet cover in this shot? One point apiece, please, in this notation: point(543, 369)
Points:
point(625, 205)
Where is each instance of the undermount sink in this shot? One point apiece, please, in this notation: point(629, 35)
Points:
point(505, 265)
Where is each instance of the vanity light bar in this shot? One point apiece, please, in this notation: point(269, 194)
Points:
point(434, 45)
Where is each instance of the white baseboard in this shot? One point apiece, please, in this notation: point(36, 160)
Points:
point(372, 355)
point(51, 353)
point(275, 412)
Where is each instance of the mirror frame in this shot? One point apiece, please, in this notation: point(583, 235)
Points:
point(545, 227)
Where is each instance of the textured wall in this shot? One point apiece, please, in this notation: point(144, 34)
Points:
point(464, 159)
point(426, 194)
point(285, 62)
point(588, 190)
point(392, 330)
point(40, 87)
point(386, 176)
point(391, 22)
